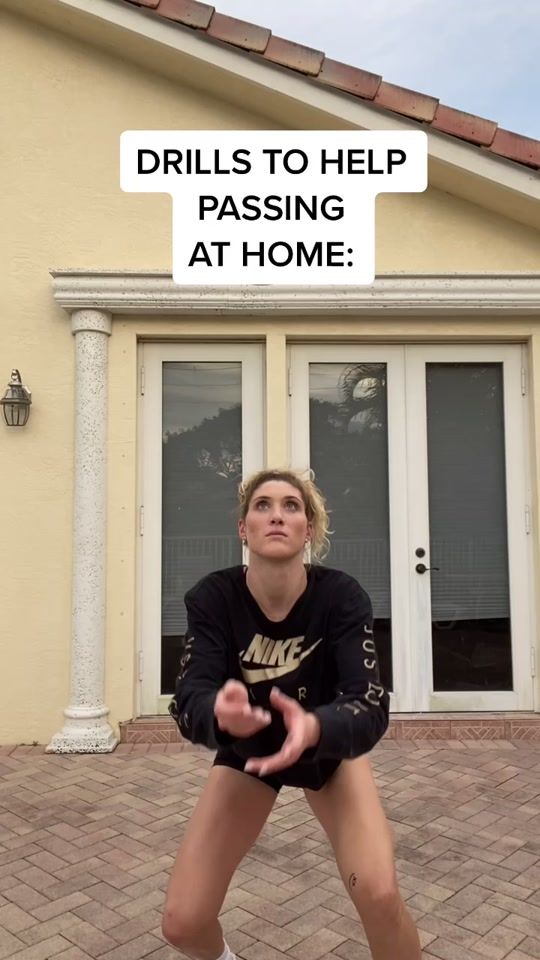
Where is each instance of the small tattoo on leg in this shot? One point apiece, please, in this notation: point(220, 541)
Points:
point(352, 881)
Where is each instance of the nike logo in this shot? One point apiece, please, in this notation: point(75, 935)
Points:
point(287, 655)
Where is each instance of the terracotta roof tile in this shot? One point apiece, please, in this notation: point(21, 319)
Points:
point(351, 79)
point(464, 125)
point(189, 12)
point(516, 147)
point(239, 32)
point(144, 3)
point(409, 103)
point(294, 55)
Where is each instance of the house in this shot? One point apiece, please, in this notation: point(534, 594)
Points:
point(416, 399)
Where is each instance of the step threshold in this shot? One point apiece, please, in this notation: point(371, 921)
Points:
point(509, 725)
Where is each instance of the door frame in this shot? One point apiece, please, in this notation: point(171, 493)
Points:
point(152, 358)
point(518, 494)
point(408, 518)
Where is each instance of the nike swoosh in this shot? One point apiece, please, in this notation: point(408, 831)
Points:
point(271, 673)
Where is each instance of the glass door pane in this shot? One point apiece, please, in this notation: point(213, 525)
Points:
point(201, 469)
point(470, 600)
point(202, 429)
point(349, 455)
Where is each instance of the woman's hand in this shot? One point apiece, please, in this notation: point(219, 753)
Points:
point(234, 713)
point(304, 730)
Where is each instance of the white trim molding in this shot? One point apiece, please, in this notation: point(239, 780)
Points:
point(154, 293)
point(86, 729)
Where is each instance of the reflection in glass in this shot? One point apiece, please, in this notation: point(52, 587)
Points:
point(349, 455)
point(467, 507)
point(202, 466)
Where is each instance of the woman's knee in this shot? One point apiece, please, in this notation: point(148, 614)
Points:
point(376, 893)
point(182, 928)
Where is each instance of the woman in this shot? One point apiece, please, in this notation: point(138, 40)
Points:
point(280, 677)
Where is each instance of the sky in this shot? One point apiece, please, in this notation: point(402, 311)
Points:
point(480, 56)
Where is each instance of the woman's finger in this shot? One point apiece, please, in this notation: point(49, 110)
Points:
point(256, 712)
point(273, 764)
point(233, 690)
point(262, 714)
point(287, 705)
point(288, 755)
point(278, 694)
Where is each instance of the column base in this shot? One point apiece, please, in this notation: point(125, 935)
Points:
point(84, 737)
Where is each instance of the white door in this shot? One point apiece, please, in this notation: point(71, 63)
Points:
point(201, 432)
point(422, 454)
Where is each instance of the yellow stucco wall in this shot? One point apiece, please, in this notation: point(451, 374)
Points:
point(65, 105)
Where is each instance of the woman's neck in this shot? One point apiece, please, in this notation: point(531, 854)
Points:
point(276, 586)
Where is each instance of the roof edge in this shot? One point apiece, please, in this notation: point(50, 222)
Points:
point(295, 57)
point(519, 182)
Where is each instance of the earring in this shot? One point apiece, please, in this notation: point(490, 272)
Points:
point(244, 543)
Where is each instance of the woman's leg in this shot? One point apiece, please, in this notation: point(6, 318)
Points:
point(230, 814)
point(350, 811)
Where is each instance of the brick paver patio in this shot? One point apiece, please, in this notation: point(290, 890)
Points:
point(87, 843)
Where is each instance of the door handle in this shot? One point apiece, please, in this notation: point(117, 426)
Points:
point(421, 568)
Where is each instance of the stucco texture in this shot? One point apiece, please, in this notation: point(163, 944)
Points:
point(65, 105)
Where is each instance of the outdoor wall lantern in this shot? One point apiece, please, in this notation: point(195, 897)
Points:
point(16, 402)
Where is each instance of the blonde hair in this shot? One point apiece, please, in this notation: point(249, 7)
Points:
point(314, 503)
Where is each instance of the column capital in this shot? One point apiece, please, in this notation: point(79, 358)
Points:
point(91, 321)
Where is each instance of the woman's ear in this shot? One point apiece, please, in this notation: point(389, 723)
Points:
point(242, 529)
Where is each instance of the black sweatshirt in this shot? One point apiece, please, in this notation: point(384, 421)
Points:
point(322, 654)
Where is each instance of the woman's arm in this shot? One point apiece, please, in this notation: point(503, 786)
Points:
point(203, 670)
point(356, 720)
point(210, 705)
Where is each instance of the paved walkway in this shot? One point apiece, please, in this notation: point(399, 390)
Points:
point(87, 843)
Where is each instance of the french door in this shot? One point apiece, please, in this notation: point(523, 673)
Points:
point(421, 452)
point(202, 431)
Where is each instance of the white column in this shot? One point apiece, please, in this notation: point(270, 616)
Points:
point(86, 729)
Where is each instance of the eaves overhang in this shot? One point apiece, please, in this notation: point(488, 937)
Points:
point(285, 99)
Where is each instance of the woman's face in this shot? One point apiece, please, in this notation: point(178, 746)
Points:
point(276, 525)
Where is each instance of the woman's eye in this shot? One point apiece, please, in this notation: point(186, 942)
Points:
point(262, 504)
point(291, 505)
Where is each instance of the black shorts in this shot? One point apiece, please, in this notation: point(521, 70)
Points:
point(312, 776)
